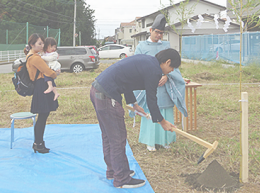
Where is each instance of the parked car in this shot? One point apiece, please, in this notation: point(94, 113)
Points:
point(232, 45)
point(94, 52)
point(115, 51)
point(94, 48)
point(109, 43)
point(75, 59)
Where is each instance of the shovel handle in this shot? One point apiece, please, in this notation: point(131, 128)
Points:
point(193, 138)
point(183, 133)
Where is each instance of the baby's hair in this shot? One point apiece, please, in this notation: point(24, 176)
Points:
point(49, 42)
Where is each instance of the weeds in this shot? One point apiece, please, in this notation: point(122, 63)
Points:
point(218, 119)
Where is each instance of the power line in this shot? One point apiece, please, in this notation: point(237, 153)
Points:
point(41, 13)
point(44, 9)
point(68, 3)
point(38, 16)
point(57, 21)
point(50, 12)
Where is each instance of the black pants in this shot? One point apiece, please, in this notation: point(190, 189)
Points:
point(39, 127)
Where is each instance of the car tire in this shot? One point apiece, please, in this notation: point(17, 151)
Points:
point(77, 67)
point(122, 56)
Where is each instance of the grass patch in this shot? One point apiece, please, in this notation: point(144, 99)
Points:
point(218, 119)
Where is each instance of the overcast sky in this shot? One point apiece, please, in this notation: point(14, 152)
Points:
point(110, 13)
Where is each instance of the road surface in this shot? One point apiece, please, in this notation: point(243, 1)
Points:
point(6, 68)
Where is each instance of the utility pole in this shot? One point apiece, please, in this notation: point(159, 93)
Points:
point(74, 27)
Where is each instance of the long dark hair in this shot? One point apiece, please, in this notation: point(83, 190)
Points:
point(31, 41)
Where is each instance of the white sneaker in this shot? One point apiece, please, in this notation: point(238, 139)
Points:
point(150, 148)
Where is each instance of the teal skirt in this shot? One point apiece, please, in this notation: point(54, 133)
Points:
point(152, 133)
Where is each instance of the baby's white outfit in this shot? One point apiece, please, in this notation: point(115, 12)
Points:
point(51, 60)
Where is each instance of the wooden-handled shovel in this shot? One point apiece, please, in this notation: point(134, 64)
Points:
point(210, 147)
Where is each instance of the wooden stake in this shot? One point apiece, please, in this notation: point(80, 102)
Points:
point(195, 109)
point(244, 137)
point(191, 108)
point(186, 121)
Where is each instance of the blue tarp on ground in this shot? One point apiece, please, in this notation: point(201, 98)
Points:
point(74, 164)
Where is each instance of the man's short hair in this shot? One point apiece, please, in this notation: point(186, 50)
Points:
point(167, 54)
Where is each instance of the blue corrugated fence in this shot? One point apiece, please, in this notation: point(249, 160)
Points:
point(222, 46)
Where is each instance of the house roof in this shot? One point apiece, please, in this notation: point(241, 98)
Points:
point(168, 28)
point(170, 6)
point(129, 24)
point(204, 16)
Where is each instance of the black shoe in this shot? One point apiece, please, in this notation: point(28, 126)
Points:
point(44, 146)
point(40, 148)
point(132, 173)
point(133, 183)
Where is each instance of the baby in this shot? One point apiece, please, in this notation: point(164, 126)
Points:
point(50, 56)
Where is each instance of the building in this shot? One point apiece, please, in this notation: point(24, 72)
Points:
point(247, 13)
point(202, 8)
point(124, 33)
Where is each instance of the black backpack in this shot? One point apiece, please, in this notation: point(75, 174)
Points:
point(21, 80)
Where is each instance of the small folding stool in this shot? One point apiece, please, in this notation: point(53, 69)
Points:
point(21, 115)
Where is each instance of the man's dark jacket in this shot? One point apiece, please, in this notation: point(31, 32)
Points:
point(138, 72)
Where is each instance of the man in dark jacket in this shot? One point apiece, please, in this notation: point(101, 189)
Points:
point(138, 72)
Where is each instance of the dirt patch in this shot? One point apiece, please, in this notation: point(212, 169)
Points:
point(213, 178)
point(204, 76)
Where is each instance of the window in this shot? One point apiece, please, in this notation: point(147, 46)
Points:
point(143, 23)
point(105, 48)
point(80, 51)
point(65, 51)
point(130, 30)
point(235, 41)
point(116, 47)
point(149, 24)
point(190, 40)
point(71, 51)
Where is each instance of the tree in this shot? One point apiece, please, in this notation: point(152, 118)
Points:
point(247, 15)
point(56, 14)
point(183, 13)
point(248, 18)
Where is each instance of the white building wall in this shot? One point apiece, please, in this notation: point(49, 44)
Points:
point(200, 8)
point(138, 26)
point(120, 35)
point(174, 41)
point(127, 33)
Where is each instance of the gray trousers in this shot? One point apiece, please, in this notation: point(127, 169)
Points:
point(110, 116)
